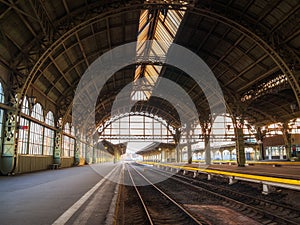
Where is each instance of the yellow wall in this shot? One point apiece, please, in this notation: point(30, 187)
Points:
point(31, 163)
point(67, 162)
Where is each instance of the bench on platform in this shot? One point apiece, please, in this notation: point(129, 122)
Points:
point(54, 166)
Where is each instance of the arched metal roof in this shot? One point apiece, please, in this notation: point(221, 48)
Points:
point(249, 45)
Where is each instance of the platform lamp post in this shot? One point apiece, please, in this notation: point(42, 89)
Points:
point(260, 144)
point(259, 135)
point(31, 101)
point(159, 149)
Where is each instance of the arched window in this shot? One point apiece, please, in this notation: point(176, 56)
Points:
point(37, 112)
point(68, 142)
point(36, 131)
point(136, 126)
point(23, 131)
point(49, 119)
point(49, 135)
point(25, 106)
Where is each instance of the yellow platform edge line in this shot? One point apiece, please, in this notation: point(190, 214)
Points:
point(254, 162)
point(232, 174)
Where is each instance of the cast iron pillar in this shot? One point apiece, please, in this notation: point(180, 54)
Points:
point(206, 130)
point(177, 150)
point(188, 142)
point(240, 145)
point(287, 140)
point(259, 137)
point(9, 152)
point(57, 145)
point(77, 150)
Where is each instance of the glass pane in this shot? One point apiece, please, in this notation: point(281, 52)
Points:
point(48, 142)
point(1, 93)
point(35, 139)
point(49, 118)
point(23, 136)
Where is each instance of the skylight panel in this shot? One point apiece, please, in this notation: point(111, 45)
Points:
point(165, 24)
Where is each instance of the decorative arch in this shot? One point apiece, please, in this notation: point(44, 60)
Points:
point(136, 126)
point(109, 121)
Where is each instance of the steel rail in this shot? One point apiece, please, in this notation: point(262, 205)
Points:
point(229, 199)
point(164, 194)
point(140, 197)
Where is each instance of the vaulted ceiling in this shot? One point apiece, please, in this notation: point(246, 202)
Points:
point(252, 47)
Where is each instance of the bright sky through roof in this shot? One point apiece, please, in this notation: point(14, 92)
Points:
point(165, 25)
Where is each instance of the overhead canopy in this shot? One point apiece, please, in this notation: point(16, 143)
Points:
point(111, 148)
point(155, 147)
point(252, 47)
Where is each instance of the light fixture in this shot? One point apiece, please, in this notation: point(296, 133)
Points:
point(228, 127)
point(31, 100)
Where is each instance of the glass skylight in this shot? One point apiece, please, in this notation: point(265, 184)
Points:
point(161, 25)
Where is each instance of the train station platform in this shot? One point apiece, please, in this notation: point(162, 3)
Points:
point(270, 173)
point(277, 169)
point(63, 196)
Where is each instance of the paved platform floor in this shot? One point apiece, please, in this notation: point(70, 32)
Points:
point(41, 198)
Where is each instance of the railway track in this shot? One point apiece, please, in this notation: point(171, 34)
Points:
point(263, 211)
point(157, 206)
